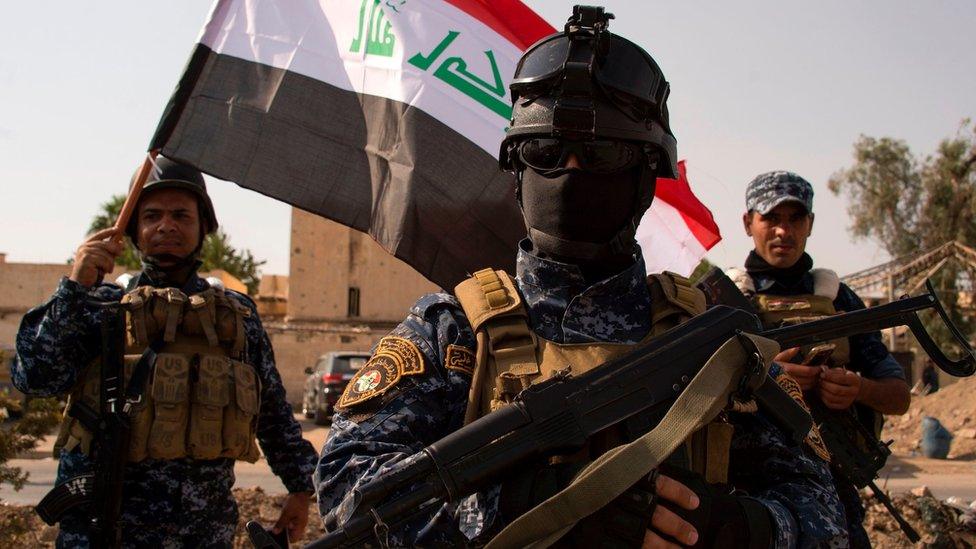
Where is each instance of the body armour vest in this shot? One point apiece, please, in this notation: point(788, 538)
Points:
point(201, 400)
point(785, 310)
point(511, 357)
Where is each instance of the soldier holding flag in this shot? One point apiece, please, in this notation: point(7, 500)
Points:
point(200, 378)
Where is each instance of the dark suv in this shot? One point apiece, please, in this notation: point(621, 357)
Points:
point(327, 380)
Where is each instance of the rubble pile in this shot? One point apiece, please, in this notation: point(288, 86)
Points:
point(942, 526)
point(953, 406)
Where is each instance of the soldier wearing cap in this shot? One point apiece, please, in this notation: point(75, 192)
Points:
point(212, 392)
point(589, 136)
point(857, 373)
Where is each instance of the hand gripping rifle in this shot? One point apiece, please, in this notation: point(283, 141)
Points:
point(558, 415)
point(856, 453)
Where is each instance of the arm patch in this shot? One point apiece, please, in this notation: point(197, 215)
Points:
point(460, 359)
point(394, 359)
point(814, 440)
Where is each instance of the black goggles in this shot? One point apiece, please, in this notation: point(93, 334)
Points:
point(599, 156)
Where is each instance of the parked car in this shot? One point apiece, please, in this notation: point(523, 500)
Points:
point(327, 380)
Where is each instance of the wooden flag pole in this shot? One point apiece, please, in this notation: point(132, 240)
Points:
point(133, 197)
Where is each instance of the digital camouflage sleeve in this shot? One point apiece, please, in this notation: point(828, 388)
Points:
point(366, 442)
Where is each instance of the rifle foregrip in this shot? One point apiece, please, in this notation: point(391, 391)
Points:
point(66, 496)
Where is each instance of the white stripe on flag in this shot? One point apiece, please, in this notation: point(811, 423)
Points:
point(667, 242)
point(315, 38)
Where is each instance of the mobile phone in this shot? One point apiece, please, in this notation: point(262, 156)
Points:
point(819, 355)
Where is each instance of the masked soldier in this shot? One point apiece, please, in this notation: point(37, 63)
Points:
point(212, 387)
point(857, 373)
point(589, 136)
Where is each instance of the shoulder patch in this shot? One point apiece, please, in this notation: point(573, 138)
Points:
point(814, 440)
point(460, 359)
point(395, 357)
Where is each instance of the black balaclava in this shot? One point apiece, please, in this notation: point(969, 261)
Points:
point(567, 209)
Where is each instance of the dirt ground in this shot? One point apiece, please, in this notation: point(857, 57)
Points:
point(940, 525)
point(954, 406)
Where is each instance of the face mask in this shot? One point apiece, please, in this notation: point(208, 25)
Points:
point(577, 206)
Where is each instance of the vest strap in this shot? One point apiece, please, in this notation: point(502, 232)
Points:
point(205, 311)
point(174, 310)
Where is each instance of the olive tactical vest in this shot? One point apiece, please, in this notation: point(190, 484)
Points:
point(201, 400)
point(511, 357)
point(785, 310)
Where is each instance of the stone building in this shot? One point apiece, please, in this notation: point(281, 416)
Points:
point(344, 292)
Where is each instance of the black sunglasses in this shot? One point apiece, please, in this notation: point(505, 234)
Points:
point(599, 156)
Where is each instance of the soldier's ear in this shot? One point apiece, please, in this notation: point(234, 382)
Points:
point(810, 229)
point(746, 221)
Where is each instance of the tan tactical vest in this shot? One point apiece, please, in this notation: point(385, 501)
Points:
point(511, 357)
point(201, 400)
point(780, 310)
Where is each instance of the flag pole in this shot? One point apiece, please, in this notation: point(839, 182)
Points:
point(133, 197)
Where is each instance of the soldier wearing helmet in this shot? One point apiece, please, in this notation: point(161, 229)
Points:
point(589, 136)
point(212, 393)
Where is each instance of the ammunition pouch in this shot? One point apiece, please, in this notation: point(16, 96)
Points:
point(201, 402)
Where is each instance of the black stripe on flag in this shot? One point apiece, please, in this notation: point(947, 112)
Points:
point(427, 194)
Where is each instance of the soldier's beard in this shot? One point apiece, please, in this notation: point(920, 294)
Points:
point(578, 206)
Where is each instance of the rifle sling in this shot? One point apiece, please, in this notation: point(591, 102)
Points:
point(614, 472)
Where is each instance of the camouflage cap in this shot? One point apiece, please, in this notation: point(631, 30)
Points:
point(771, 189)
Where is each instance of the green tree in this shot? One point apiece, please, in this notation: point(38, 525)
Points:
point(909, 204)
point(33, 422)
point(216, 253)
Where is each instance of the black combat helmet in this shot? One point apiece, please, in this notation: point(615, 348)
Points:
point(585, 83)
point(168, 174)
point(588, 86)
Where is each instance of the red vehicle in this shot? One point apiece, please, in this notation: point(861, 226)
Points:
point(327, 380)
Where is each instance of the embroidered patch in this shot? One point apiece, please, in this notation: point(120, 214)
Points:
point(814, 440)
point(395, 357)
point(788, 305)
point(460, 359)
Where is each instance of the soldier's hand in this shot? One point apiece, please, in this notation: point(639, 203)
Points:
point(806, 376)
point(839, 388)
point(666, 522)
point(95, 257)
point(294, 515)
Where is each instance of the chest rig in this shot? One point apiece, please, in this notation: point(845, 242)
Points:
point(201, 400)
point(786, 310)
point(511, 357)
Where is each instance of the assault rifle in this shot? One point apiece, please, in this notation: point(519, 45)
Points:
point(558, 415)
point(856, 453)
point(109, 425)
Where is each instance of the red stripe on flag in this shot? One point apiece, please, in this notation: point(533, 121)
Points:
point(512, 19)
point(677, 192)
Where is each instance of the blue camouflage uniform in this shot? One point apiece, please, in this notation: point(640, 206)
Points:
point(562, 307)
point(868, 356)
point(166, 503)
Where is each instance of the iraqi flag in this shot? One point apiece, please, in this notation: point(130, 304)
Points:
point(678, 229)
point(383, 115)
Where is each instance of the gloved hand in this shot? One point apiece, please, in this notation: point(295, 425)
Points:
point(723, 520)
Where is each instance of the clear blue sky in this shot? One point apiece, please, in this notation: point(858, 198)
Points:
point(756, 86)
